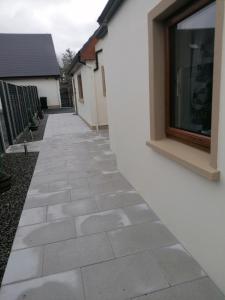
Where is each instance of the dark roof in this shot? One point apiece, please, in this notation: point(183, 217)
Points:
point(109, 11)
point(27, 55)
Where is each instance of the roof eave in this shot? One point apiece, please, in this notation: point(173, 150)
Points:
point(109, 11)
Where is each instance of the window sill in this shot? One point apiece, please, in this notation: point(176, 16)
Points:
point(194, 159)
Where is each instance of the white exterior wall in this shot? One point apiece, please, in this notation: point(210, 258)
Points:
point(87, 108)
point(47, 87)
point(191, 206)
point(92, 90)
point(101, 99)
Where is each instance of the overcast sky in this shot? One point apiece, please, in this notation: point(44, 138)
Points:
point(70, 22)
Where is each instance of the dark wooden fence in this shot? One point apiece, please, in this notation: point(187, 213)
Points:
point(17, 105)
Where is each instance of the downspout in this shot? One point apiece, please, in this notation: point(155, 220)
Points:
point(96, 59)
point(96, 94)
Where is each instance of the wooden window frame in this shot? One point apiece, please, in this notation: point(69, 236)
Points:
point(80, 87)
point(188, 137)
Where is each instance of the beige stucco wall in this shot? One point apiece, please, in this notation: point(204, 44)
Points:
point(47, 87)
point(86, 109)
point(93, 107)
point(190, 205)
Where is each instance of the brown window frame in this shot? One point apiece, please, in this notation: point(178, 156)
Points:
point(80, 87)
point(187, 137)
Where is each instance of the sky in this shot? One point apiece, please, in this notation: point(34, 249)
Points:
point(71, 22)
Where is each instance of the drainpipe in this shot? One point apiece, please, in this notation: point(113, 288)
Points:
point(96, 94)
point(96, 59)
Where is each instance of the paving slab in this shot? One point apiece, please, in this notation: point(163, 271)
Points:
point(177, 265)
point(33, 216)
point(123, 278)
point(203, 289)
point(24, 264)
point(118, 199)
point(101, 221)
point(45, 199)
point(74, 208)
point(62, 286)
point(70, 254)
point(40, 234)
point(132, 239)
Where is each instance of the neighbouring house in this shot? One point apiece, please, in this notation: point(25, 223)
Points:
point(30, 59)
point(165, 62)
point(88, 77)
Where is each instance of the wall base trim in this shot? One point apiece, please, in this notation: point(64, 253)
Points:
point(93, 127)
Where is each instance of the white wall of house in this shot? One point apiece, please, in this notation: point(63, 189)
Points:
point(191, 206)
point(101, 99)
point(86, 108)
point(47, 87)
point(92, 90)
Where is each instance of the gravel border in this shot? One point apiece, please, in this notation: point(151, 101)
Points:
point(37, 135)
point(21, 168)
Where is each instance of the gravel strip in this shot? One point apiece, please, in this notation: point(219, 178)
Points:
point(21, 168)
point(37, 135)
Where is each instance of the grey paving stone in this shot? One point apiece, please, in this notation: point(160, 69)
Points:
point(202, 289)
point(40, 234)
point(118, 200)
point(177, 265)
point(47, 199)
point(79, 183)
point(74, 253)
point(62, 286)
point(33, 216)
point(149, 235)
point(74, 208)
point(123, 278)
point(140, 213)
point(105, 177)
point(48, 178)
point(24, 264)
point(78, 194)
point(101, 221)
point(110, 187)
point(38, 189)
point(59, 185)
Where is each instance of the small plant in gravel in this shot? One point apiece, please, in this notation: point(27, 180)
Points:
point(40, 113)
point(33, 124)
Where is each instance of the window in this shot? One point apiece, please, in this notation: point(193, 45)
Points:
point(190, 53)
point(185, 59)
point(80, 87)
point(103, 81)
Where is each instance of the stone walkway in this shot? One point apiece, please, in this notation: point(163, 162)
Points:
point(86, 234)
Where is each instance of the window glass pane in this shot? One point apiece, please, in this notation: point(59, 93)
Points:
point(192, 51)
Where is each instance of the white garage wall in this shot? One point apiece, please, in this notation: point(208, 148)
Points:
point(191, 206)
point(47, 87)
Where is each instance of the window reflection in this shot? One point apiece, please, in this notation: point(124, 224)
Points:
point(192, 52)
